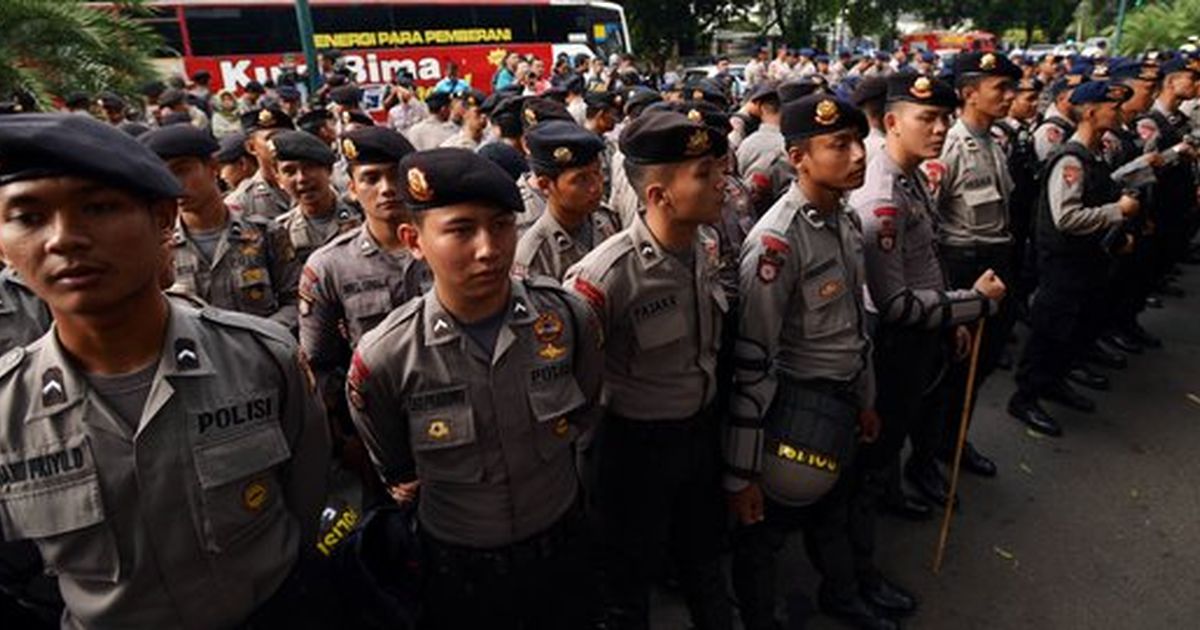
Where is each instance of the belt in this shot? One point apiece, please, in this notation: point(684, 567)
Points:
point(501, 560)
point(976, 250)
point(699, 419)
point(845, 390)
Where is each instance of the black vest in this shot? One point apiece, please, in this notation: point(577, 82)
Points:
point(1174, 194)
point(1076, 259)
point(1022, 167)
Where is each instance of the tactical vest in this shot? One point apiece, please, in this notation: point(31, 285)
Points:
point(1077, 259)
point(1175, 193)
point(1022, 167)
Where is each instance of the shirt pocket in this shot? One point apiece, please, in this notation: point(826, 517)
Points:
point(444, 440)
point(254, 290)
point(659, 338)
point(984, 203)
point(65, 517)
point(822, 294)
point(366, 309)
point(551, 403)
point(240, 489)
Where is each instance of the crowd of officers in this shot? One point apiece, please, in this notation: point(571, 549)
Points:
point(578, 352)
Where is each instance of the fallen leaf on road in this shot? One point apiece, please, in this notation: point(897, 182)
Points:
point(1133, 494)
point(1004, 553)
point(1025, 468)
point(1194, 398)
point(1034, 434)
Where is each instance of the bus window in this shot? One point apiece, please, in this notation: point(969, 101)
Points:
point(224, 31)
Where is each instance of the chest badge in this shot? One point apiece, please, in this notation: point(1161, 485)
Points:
point(254, 495)
point(548, 329)
point(830, 289)
point(438, 430)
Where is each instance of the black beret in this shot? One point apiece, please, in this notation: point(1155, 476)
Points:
point(602, 99)
point(437, 100)
point(873, 88)
point(108, 100)
point(1032, 84)
point(301, 146)
point(266, 118)
point(152, 89)
point(702, 111)
point(346, 95)
point(764, 90)
point(708, 90)
point(175, 118)
point(374, 145)
point(507, 157)
point(233, 148)
point(134, 129)
point(1101, 92)
point(1133, 69)
point(665, 137)
point(536, 110)
point(819, 114)
point(357, 117)
point(34, 146)
point(557, 145)
point(556, 93)
point(180, 141)
point(201, 76)
point(254, 87)
point(310, 121)
point(471, 97)
point(288, 93)
point(445, 177)
point(172, 97)
point(574, 83)
point(799, 88)
point(985, 63)
point(507, 106)
point(1062, 84)
point(920, 89)
point(1179, 63)
point(638, 98)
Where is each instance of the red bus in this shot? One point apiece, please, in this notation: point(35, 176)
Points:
point(242, 40)
point(950, 41)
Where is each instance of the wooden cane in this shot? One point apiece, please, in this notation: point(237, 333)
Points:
point(958, 448)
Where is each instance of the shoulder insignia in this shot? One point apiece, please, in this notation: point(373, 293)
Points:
point(1071, 174)
point(1054, 133)
point(257, 325)
point(11, 360)
point(934, 171)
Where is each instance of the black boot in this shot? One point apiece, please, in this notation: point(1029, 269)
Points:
point(1027, 410)
point(1066, 395)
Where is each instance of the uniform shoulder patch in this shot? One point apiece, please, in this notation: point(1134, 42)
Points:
point(257, 325)
point(10, 360)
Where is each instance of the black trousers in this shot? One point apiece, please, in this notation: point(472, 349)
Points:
point(910, 399)
point(963, 266)
point(1067, 317)
point(544, 583)
point(756, 548)
point(657, 494)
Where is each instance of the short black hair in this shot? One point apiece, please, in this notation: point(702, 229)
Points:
point(642, 175)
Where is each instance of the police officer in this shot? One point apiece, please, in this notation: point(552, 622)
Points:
point(229, 260)
point(1078, 203)
point(262, 195)
point(436, 128)
point(178, 456)
point(479, 389)
point(1014, 133)
point(909, 288)
point(655, 289)
point(23, 317)
point(566, 159)
point(804, 382)
point(624, 199)
point(761, 158)
point(534, 111)
point(349, 285)
point(318, 213)
point(601, 118)
point(237, 166)
point(1058, 121)
point(973, 219)
point(870, 95)
point(474, 122)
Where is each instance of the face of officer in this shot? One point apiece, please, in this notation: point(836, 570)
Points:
point(1102, 116)
point(474, 122)
point(377, 188)
point(307, 183)
point(576, 191)
point(1182, 85)
point(84, 247)
point(257, 145)
point(691, 191)
point(233, 173)
point(834, 161)
point(469, 248)
point(990, 96)
point(199, 180)
point(1024, 105)
point(919, 129)
point(1144, 93)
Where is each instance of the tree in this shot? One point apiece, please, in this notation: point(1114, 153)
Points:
point(1161, 25)
point(54, 47)
point(665, 30)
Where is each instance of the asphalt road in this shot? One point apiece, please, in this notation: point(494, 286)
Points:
point(1097, 529)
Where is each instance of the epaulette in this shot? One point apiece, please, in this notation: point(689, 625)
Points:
point(602, 259)
point(11, 360)
point(257, 325)
point(394, 319)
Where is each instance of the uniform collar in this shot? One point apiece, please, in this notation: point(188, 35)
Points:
point(364, 243)
point(562, 238)
point(805, 209)
point(441, 327)
point(60, 385)
point(648, 249)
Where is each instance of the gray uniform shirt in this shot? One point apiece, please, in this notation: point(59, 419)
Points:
point(307, 234)
point(623, 198)
point(255, 269)
point(972, 198)
point(763, 164)
point(549, 249)
point(460, 140)
point(430, 133)
point(257, 198)
point(490, 436)
point(662, 322)
point(801, 315)
point(346, 289)
point(903, 273)
point(23, 317)
point(1064, 190)
point(1049, 135)
point(194, 519)
point(534, 200)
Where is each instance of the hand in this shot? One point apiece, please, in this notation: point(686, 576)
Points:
point(869, 424)
point(403, 493)
point(1129, 205)
point(1127, 248)
point(990, 285)
point(747, 504)
point(962, 342)
point(1155, 160)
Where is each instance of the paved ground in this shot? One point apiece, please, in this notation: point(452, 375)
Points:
point(1097, 529)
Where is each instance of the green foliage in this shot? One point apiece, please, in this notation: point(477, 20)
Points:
point(1160, 25)
point(662, 30)
point(54, 47)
